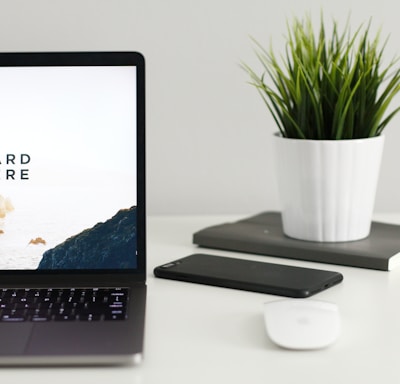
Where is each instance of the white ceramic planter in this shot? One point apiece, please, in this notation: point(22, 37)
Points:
point(327, 187)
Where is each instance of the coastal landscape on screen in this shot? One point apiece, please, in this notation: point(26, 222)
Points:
point(67, 169)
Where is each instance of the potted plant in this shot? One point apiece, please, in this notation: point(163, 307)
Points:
point(329, 96)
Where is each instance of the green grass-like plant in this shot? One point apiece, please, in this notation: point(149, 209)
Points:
point(327, 87)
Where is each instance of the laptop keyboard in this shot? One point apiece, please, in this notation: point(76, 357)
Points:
point(63, 304)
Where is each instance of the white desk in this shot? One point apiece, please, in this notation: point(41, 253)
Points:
point(201, 334)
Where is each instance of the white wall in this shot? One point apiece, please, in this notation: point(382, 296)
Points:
point(208, 132)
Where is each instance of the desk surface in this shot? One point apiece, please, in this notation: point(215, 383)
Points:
point(201, 334)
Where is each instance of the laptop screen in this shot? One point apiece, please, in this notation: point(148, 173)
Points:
point(68, 164)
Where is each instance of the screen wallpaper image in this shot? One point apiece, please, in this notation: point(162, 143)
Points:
point(68, 168)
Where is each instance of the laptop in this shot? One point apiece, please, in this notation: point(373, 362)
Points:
point(72, 208)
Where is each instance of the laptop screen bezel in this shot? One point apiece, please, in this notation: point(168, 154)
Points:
point(54, 59)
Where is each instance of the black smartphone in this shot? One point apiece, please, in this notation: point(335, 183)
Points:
point(248, 275)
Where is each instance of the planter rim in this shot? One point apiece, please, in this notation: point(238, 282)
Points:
point(279, 136)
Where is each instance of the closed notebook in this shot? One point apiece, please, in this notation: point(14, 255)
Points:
point(262, 234)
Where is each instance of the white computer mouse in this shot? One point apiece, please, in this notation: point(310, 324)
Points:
point(302, 323)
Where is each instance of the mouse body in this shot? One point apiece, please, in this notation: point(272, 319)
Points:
point(302, 323)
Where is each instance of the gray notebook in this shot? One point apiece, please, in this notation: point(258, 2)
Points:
point(262, 234)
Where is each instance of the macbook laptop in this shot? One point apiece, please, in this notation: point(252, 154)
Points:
point(72, 208)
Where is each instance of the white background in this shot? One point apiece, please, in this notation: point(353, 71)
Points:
point(208, 132)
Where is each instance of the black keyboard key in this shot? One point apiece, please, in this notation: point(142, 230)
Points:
point(114, 317)
point(90, 317)
point(12, 318)
point(40, 318)
point(64, 318)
